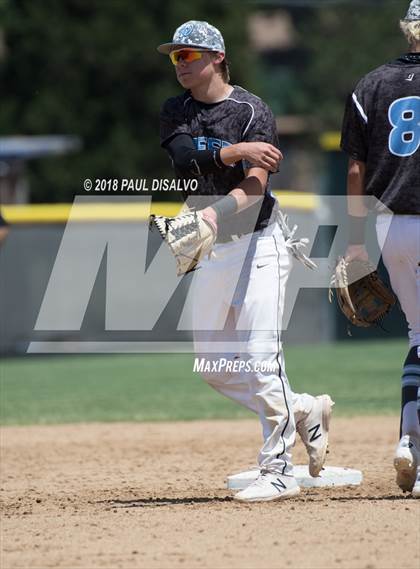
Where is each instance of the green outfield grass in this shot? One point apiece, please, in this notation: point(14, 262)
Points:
point(362, 377)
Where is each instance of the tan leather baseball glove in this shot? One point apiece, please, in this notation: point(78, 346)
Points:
point(362, 296)
point(189, 236)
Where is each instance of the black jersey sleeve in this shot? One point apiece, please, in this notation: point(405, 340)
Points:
point(190, 161)
point(261, 127)
point(172, 120)
point(354, 132)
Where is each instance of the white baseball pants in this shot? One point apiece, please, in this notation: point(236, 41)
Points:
point(399, 240)
point(238, 304)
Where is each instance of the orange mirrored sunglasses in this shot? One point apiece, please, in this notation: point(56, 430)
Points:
point(187, 55)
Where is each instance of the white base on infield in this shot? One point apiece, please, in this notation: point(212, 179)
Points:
point(329, 476)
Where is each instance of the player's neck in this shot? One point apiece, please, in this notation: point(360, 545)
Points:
point(212, 92)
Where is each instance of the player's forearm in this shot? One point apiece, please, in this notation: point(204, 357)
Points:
point(233, 153)
point(356, 188)
point(260, 154)
point(356, 206)
point(249, 191)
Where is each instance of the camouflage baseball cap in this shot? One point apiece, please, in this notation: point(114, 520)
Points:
point(195, 34)
point(413, 12)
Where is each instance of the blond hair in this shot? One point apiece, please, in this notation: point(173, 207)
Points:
point(411, 30)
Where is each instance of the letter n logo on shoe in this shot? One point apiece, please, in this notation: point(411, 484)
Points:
point(280, 486)
point(315, 434)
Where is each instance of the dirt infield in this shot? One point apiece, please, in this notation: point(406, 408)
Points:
point(153, 495)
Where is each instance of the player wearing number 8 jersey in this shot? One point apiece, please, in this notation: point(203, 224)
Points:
point(381, 135)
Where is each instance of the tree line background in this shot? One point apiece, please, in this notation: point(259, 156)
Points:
point(91, 69)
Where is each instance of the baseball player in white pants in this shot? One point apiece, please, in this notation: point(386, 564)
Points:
point(254, 328)
point(225, 137)
point(381, 135)
point(399, 240)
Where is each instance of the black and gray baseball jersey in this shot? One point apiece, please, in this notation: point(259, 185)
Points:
point(381, 127)
point(241, 117)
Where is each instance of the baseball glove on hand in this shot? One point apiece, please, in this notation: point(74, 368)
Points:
point(362, 296)
point(189, 236)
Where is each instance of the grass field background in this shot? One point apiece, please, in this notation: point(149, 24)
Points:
point(362, 377)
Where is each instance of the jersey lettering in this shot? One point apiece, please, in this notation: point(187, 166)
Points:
point(404, 116)
point(209, 143)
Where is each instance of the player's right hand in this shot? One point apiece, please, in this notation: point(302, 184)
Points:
point(262, 155)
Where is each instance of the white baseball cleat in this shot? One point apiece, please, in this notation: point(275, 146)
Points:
point(268, 487)
point(405, 463)
point(416, 488)
point(313, 430)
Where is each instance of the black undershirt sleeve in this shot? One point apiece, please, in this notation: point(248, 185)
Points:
point(190, 161)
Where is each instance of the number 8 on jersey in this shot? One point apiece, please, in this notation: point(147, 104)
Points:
point(404, 116)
